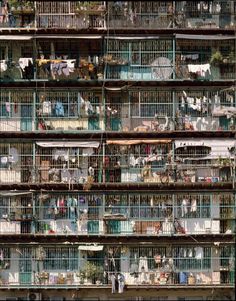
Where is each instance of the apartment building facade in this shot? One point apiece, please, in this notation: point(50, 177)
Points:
point(117, 150)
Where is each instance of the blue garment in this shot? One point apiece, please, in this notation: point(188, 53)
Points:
point(59, 109)
point(72, 204)
point(183, 277)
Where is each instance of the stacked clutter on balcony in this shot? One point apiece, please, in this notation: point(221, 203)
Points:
point(117, 150)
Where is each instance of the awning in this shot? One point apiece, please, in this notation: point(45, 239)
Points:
point(87, 144)
point(90, 37)
point(30, 37)
point(14, 193)
point(132, 142)
point(132, 38)
point(16, 37)
point(90, 248)
point(219, 148)
point(204, 37)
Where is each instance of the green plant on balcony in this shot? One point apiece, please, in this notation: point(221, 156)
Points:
point(16, 5)
point(216, 58)
point(90, 272)
point(89, 6)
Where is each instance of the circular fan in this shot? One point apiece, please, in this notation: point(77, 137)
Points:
point(161, 68)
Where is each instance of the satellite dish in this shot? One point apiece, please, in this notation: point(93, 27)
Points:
point(162, 68)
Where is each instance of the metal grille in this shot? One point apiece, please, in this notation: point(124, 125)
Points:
point(60, 266)
point(119, 214)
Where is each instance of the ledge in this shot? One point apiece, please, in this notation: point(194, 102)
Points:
point(74, 83)
point(105, 286)
point(114, 239)
point(54, 134)
point(117, 187)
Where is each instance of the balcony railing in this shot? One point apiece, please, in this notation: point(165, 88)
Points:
point(73, 266)
point(159, 161)
point(139, 111)
point(51, 15)
point(183, 58)
point(119, 15)
point(102, 214)
point(171, 14)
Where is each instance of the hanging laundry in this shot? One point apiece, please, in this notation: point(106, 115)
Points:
point(24, 62)
point(59, 109)
point(201, 70)
point(13, 155)
point(88, 107)
point(61, 205)
point(4, 160)
point(8, 107)
point(47, 108)
point(88, 151)
point(91, 171)
point(60, 153)
point(121, 282)
point(1, 255)
point(198, 252)
point(65, 175)
point(132, 161)
point(193, 205)
point(3, 65)
point(198, 104)
point(230, 98)
point(184, 207)
point(218, 8)
point(189, 56)
point(190, 101)
point(71, 65)
point(217, 100)
point(143, 264)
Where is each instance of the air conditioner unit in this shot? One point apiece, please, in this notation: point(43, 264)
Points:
point(34, 296)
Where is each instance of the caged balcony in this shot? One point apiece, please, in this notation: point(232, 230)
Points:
point(125, 214)
point(53, 15)
point(55, 59)
point(171, 15)
point(166, 161)
point(119, 161)
point(187, 57)
point(93, 265)
point(17, 14)
point(70, 14)
point(135, 110)
point(161, 110)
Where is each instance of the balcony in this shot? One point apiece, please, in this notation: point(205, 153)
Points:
point(124, 161)
point(146, 110)
point(54, 15)
point(89, 265)
point(117, 15)
point(171, 15)
point(145, 215)
point(18, 15)
point(70, 14)
point(186, 58)
point(150, 59)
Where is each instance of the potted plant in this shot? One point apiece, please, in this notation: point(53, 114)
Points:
point(216, 58)
point(90, 273)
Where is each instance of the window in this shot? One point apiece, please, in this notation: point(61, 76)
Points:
point(61, 259)
point(151, 104)
point(190, 258)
